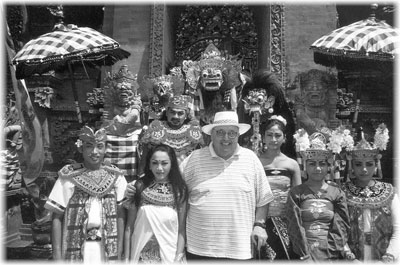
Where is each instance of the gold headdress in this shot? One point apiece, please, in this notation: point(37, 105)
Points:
point(86, 134)
point(160, 89)
point(179, 102)
point(311, 147)
point(366, 150)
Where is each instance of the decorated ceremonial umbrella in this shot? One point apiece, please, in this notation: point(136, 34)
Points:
point(365, 44)
point(64, 46)
point(368, 41)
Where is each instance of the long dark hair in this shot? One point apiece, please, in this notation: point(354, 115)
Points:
point(178, 184)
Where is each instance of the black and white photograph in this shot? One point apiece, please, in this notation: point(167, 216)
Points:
point(200, 131)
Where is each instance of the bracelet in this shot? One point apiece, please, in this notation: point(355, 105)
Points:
point(180, 256)
point(260, 224)
point(387, 257)
point(305, 257)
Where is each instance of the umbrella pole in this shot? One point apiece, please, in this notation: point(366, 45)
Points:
point(357, 110)
point(75, 93)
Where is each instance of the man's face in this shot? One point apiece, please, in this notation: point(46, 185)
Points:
point(93, 154)
point(176, 117)
point(225, 139)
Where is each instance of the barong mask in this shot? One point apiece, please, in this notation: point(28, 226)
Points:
point(212, 70)
point(258, 101)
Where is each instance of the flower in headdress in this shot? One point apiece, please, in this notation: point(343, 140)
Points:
point(279, 118)
point(302, 140)
point(381, 137)
point(78, 143)
point(340, 139)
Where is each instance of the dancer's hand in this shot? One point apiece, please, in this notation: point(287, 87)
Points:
point(130, 190)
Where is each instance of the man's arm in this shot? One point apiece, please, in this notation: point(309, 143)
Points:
point(56, 237)
point(259, 235)
point(130, 222)
point(180, 249)
point(121, 217)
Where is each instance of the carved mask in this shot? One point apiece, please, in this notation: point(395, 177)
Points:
point(315, 93)
point(125, 94)
point(258, 100)
point(162, 88)
point(211, 79)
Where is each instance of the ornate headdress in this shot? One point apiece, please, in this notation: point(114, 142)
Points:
point(366, 150)
point(278, 118)
point(179, 102)
point(312, 147)
point(86, 134)
point(159, 90)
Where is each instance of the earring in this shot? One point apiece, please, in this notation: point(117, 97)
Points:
point(271, 110)
point(378, 170)
point(304, 175)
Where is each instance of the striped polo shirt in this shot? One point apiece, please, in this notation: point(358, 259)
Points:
point(223, 196)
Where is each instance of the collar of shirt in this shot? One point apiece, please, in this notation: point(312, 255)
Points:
point(213, 154)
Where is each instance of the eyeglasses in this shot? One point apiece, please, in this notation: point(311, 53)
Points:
point(222, 133)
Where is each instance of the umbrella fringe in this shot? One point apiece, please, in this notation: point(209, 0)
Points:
point(355, 54)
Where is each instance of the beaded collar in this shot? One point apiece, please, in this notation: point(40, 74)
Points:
point(369, 197)
point(96, 183)
point(159, 193)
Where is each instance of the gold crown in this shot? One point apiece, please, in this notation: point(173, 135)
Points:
point(162, 80)
point(124, 75)
point(179, 102)
point(316, 154)
point(87, 134)
point(317, 149)
point(363, 150)
point(211, 58)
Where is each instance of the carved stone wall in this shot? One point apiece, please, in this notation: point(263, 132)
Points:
point(156, 40)
point(277, 51)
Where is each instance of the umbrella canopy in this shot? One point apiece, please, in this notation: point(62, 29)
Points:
point(367, 41)
point(66, 44)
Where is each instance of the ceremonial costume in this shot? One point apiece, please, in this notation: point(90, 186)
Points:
point(317, 215)
point(280, 181)
point(318, 222)
point(184, 140)
point(374, 206)
point(88, 199)
point(155, 234)
point(372, 211)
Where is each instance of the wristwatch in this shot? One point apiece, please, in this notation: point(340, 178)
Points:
point(260, 224)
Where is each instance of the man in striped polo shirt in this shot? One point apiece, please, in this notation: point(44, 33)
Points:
point(228, 194)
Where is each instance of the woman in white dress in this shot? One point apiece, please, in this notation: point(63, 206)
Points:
point(156, 225)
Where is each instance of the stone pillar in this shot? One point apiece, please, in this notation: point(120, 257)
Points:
point(130, 26)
